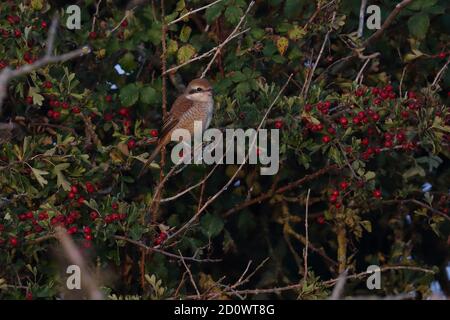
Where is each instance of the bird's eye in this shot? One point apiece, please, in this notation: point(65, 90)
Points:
point(199, 89)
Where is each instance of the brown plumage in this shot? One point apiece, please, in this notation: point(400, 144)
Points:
point(195, 104)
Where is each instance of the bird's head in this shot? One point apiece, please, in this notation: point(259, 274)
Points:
point(199, 90)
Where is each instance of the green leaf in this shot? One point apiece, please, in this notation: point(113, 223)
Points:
point(296, 33)
point(185, 53)
point(148, 95)
point(233, 14)
point(129, 94)
point(214, 12)
point(61, 181)
point(211, 224)
point(418, 25)
point(127, 62)
point(421, 4)
point(185, 33)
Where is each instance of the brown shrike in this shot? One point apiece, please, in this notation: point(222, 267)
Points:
point(195, 104)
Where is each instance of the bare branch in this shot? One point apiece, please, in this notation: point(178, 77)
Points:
point(362, 12)
point(305, 252)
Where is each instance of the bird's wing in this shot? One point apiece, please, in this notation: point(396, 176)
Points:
point(179, 107)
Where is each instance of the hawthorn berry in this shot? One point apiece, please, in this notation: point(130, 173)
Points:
point(108, 98)
point(278, 124)
point(93, 215)
point(89, 187)
point(154, 133)
point(44, 25)
point(72, 230)
point(76, 110)
point(47, 85)
point(344, 185)
point(124, 112)
point(17, 33)
point(92, 35)
point(74, 189)
point(13, 241)
point(441, 55)
point(80, 200)
point(124, 23)
point(131, 144)
point(321, 220)
point(377, 193)
point(343, 121)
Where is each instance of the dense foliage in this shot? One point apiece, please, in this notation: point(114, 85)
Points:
point(365, 138)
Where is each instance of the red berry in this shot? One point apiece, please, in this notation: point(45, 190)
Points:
point(43, 25)
point(90, 187)
point(388, 144)
point(356, 120)
point(92, 35)
point(115, 216)
point(43, 215)
point(377, 193)
point(411, 95)
point(365, 141)
point(71, 195)
point(65, 105)
point(93, 215)
point(80, 200)
point(333, 199)
point(338, 205)
point(29, 215)
point(17, 33)
point(74, 189)
point(308, 108)
point(88, 237)
point(47, 85)
point(321, 220)
point(108, 117)
point(278, 124)
point(115, 206)
point(13, 241)
point(87, 230)
point(441, 55)
point(72, 230)
point(131, 144)
point(375, 117)
point(343, 121)
point(108, 98)
point(335, 193)
point(124, 112)
point(154, 133)
point(343, 185)
point(76, 110)
point(29, 100)
point(12, 19)
point(124, 23)
point(326, 139)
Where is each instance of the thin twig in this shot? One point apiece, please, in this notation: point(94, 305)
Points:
point(305, 252)
point(362, 12)
point(190, 274)
point(192, 12)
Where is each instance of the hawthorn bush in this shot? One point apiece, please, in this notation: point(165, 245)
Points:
point(364, 127)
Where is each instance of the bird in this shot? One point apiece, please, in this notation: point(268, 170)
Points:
point(195, 104)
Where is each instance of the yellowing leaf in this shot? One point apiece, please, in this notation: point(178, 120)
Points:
point(37, 98)
point(296, 33)
point(282, 45)
point(185, 53)
point(39, 176)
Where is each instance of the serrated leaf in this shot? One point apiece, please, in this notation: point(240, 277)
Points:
point(39, 176)
point(211, 224)
point(233, 14)
point(418, 25)
point(185, 33)
point(185, 53)
point(214, 12)
point(282, 45)
point(148, 95)
point(129, 94)
point(296, 33)
point(37, 98)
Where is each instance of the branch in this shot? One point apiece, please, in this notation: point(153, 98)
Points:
point(283, 189)
point(193, 11)
point(399, 7)
point(168, 254)
point(362, 12)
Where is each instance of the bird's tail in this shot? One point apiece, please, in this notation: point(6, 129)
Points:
point(150, 159)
